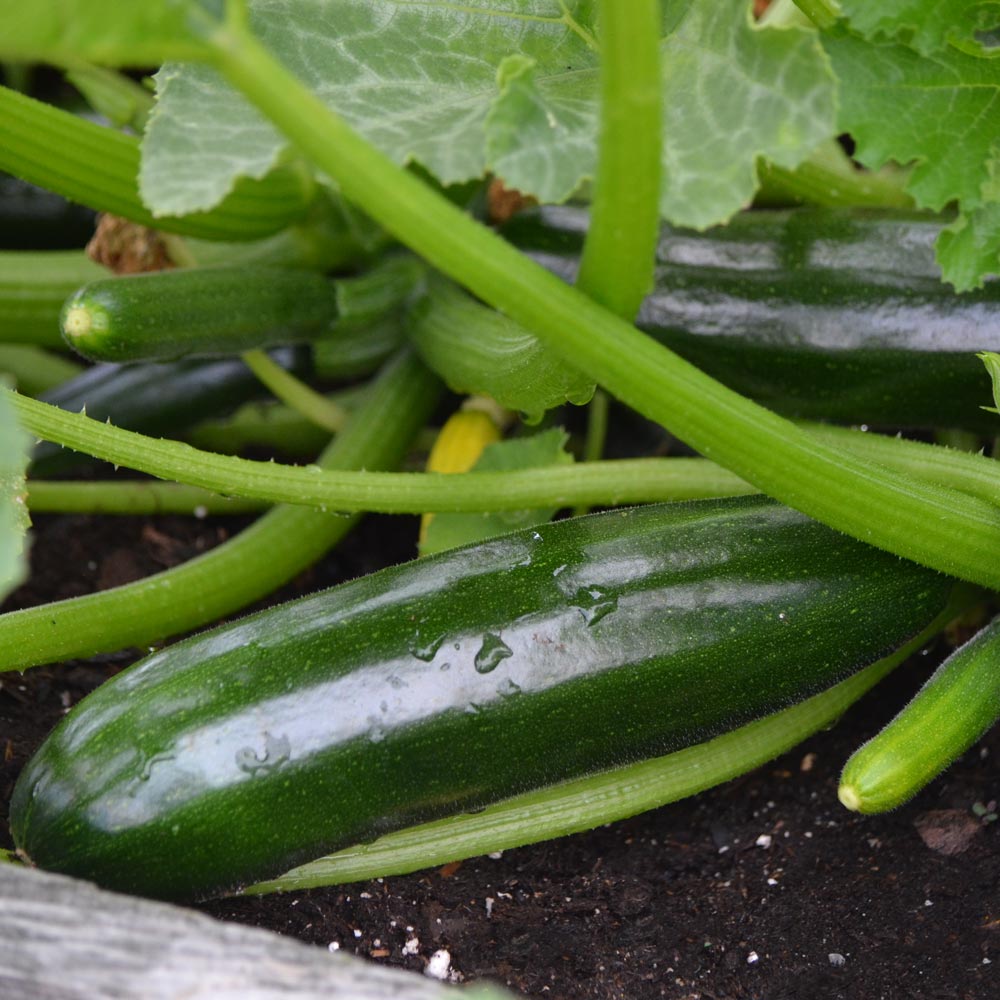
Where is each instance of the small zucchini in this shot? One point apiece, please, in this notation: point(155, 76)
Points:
point(822, 315)
point(454, 681)
point(197, 312)
point(948, 714)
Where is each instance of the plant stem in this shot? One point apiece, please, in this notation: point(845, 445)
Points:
point(269, 553)
point(33, 286)
point(822, 13)
point(830, 179)
point(35, 370)
point(588, 802)
point(132, 497)
point(99, 167)
point(616, 268)
point(625, 481)
point(939, 528)
point(295, 393)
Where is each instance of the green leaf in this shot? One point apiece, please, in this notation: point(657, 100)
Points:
point(14, 519)
point(942, 114)
point(416, 79)
point(509, 86)
point(734, 93)
point(546, 448)
point(925, 25)
point(969, 249)
point(992, 361)
point(103, 31)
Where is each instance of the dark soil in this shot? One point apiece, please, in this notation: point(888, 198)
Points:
point(763, 888)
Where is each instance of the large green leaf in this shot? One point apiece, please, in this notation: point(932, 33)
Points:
point(508, 86)
point(942, 114)
point(107, 32)
point(13, 513)
point(925, 25)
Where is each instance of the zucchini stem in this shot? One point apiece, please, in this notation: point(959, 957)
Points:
point(940, 528)
point(614, 482)
point(295, 393)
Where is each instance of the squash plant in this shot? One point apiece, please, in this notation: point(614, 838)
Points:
point(290, 132)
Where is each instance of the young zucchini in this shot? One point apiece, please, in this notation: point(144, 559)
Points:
point(817, 314)
point(946, 716)
point(454, 681)
point(197, 311)
point(164, 399)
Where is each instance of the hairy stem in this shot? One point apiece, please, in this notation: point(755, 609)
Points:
point(270, 552)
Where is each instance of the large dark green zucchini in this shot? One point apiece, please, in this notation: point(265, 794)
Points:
point(34, 219)
point(158, 398)
point(817, 314)
point(447, 683)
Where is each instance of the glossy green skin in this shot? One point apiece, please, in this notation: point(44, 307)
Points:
point(201, 312)
point(454, 681)
point(948, 714)
point(817, 314)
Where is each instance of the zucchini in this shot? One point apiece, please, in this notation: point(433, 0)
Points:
point(34, 219)
point(204, 312)
point(454, 681)
point(959, 702)
point(162, 399)
point(816, 314)
point(198, 311)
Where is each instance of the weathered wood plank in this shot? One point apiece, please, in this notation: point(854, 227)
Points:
point(61, 939)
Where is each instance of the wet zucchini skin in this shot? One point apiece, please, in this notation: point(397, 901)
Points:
point(444, 684)
point(817, 314)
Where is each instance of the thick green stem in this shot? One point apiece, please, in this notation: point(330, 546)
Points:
point(580, 805)
point(34, 284)
point(619, 252)
point(270, 552)
point(99, 167)
point(632, 481)
point(132, 497)
point(939, 528)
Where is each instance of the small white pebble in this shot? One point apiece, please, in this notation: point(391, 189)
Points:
point(438, 965)
point(412, 946)
point(357, 932)
point(927, 902)
point(808, 834)
point(201, 512)
point(753, 958)
point(836, 959)
point(764, 840)
point(495, 855)
point(986, 961)
point(365, 895)
point(724, 848)
point(489, 906)
point(333, 946)
point(772, 881)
